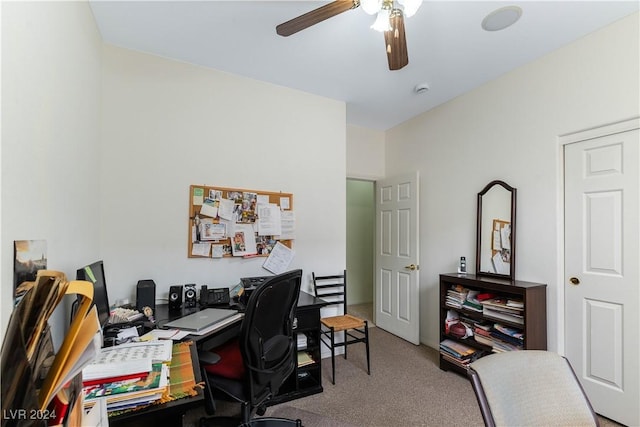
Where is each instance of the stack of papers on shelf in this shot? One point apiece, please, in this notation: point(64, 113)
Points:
point(500, 338)
point(304, 359)
point(458, 353)
point(497, 308)
point(302, 341)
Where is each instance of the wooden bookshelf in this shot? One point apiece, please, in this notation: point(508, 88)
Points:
point(534, 311)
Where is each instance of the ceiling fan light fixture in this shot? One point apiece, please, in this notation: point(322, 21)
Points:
point(410, 7)
point(371, 6)
point(382, 21)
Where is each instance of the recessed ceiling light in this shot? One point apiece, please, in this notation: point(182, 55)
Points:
point(501, 18)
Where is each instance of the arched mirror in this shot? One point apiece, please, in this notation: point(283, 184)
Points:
point(496, 234)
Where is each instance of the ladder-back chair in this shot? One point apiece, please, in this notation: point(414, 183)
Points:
point(333, 290)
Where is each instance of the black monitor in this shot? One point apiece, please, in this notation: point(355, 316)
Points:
point(94, 273)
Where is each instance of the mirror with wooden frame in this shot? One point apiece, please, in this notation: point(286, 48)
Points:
point(496, 233)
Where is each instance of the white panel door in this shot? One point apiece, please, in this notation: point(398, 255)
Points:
point(397, 254)
point(602, 300)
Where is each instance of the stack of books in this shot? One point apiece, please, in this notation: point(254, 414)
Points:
point(504, 309)
point(472, 302)
point(128, 376)
point(458, 353)
point(456, 296)
point(499, 337)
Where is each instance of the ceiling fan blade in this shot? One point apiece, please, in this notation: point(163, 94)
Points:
point(396, 42)
point(315, 16)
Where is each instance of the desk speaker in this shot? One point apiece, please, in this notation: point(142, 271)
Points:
point(146, 295)
point(190, 296)
point(175, 298)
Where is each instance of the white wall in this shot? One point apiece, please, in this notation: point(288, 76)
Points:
point(508, 129)
point(365, 153)
point(50, 134)
point(100, 145)
point(168, 125)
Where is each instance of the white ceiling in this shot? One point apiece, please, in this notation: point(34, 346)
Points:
point(342, 58)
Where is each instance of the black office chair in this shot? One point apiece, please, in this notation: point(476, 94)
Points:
point(252, 368)
point(333, 290)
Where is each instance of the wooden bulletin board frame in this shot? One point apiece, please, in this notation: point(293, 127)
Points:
point(244, 213)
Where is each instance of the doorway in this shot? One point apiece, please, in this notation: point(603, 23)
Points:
point(360, 247)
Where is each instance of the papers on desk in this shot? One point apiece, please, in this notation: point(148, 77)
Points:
point(127, 359)
point(164, 334)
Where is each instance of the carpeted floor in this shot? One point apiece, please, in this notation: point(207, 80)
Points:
point(406, 388)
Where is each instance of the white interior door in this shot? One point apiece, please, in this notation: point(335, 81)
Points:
point(602, 299)
point(397, 255)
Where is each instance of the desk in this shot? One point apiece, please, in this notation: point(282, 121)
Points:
point(304, 381)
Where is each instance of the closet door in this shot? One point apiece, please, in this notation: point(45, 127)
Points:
point(602, 298)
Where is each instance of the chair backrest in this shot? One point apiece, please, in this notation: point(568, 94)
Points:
point(332, 289)
point(267, 341)
point(529, 387)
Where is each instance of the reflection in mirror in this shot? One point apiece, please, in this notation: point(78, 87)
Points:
point(495, 254)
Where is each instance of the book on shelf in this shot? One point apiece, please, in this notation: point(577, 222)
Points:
point(501, 315)
point(462, 363)
point(471, 302)
point(304, 359)
point(507, 338)
point(457, 349)
point(500, 304)
point(301, 341)
point(515, 303)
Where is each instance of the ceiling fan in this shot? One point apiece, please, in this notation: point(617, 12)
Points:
point(390, 20)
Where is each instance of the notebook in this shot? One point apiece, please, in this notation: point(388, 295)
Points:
point(201, 319)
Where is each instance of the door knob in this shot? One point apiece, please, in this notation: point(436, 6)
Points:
point(574, 281)
point(411, 267)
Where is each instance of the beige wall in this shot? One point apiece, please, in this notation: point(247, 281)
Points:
point(508, 129)
point(365, 153)
point(168, 124)
point(100, 145)
point(51, 71)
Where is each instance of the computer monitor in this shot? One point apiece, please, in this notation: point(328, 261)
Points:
point(94, 273)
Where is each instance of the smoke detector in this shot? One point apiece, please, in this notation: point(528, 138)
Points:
point(421, 88)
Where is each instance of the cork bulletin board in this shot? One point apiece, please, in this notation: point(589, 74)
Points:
point(234, 222)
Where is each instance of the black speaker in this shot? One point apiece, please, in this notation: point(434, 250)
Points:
point(146, 295)
point(175, 298)
point(190, 296)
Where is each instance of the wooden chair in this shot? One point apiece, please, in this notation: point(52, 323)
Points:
point(333, 290)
